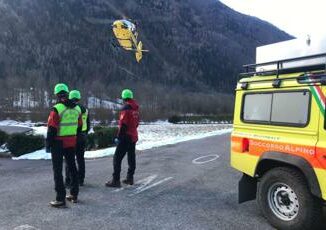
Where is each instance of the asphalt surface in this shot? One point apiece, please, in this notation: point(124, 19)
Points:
point(172, 191)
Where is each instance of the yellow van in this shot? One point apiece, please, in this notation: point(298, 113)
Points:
point(279, 137)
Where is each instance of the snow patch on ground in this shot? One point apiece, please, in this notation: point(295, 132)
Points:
point(3, 149)
point(41, 130)
point(16, 123)
point(38, 128)
point(175, 140)
point(158, 122)
point(150, 136)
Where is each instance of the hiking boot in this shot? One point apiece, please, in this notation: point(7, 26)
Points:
point(113, 183)
point(58, 204)
point(128, 181)
point(72, 199)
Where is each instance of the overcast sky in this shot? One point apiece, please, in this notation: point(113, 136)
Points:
point(296, 17)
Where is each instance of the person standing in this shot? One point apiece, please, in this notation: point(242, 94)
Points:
point(64, 123)
point(74, 97)
point(126, 140)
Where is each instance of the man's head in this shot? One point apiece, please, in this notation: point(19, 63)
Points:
point(74, 96)
point(127, 94)
point(61, 91)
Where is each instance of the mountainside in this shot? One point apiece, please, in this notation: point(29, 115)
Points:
point(195, 45)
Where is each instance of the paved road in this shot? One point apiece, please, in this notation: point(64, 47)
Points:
point(171, 193)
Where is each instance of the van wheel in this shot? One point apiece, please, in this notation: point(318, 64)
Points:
point(286, 201)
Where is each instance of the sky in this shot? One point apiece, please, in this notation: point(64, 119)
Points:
point(296, 17)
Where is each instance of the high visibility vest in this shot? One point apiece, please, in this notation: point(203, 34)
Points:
point(84, 117)
point(68, 120)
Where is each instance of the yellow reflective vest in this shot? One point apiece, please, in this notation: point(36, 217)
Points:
point(68, 120)
point(84, 117)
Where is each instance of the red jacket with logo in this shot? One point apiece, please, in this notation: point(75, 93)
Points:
point(129, 120)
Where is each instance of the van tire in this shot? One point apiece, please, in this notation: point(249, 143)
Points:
point(286, 202)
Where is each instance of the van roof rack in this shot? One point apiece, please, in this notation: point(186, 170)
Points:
point(280, 66)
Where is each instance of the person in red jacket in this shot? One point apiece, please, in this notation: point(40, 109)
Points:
point(64, 123)
point(126, 140)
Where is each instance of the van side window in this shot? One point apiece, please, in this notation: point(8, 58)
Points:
point(277, 108)
point(257, 107)
point(290, 107)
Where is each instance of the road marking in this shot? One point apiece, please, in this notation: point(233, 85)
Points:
point(118, 190)
point(25, 227)
point(201, 160)
point(144, 184)
point(144, 188)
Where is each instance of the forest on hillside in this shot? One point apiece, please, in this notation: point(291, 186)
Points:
point(196, 48)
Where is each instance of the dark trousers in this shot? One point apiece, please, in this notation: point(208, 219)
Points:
point(121, 150)
point(80, 156)
point(58, 153)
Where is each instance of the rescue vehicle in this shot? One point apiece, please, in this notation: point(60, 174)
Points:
point(278, 140)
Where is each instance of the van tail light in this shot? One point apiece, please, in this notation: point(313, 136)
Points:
point(240, 144)
point(245, 145)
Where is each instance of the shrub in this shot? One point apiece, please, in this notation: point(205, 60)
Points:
point(20, 144)
point(90, 141)
point(174, 119)
point(101, 138)
point(105, 136)
point(201, 119)
point(3, 137)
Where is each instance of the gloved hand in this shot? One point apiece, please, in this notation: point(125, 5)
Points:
point(116, 141)
point(48, 149)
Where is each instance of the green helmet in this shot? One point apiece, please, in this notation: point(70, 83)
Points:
point(127, 94)
point(74, 94)
point(61, 87)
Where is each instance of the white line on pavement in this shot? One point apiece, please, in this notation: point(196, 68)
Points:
point(151, 186)
point(144, 184)
point(203, 160)
point(25, 227)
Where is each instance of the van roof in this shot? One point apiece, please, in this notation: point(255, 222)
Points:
point(286, 66)
point(297, 61)
point(282, 81)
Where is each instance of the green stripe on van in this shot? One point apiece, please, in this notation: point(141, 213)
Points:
point(318, 100)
